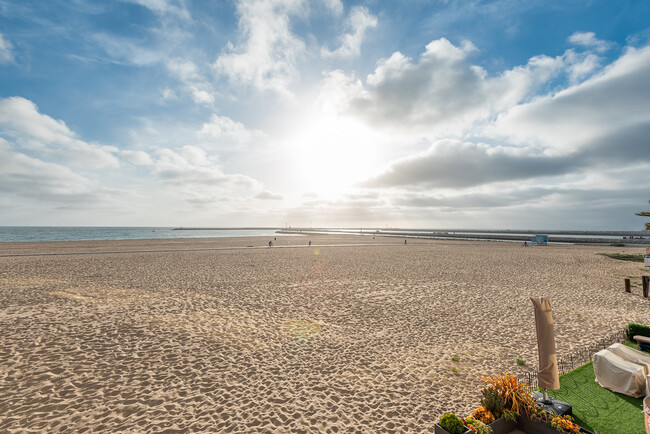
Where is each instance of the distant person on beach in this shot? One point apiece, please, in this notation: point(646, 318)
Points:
point(309, 243)
point(525, 243)
point(270, 243)
point(404, 242)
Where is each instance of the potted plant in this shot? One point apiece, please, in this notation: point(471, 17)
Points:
point(449, 423)
point(492, 413)
point(477, 426)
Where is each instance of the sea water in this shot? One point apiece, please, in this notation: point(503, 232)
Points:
point(80, 233)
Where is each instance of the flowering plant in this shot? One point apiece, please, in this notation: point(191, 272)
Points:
point(484, 415)
point(564, 424)
point(477, 426)
point(515, 393)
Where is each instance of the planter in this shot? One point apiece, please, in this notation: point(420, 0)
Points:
point(502, 426)
point(531, 427)
point(441, 430)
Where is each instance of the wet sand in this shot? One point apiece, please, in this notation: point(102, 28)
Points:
point(223, 337)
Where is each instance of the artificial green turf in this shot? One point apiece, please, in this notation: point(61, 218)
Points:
point(596, 408)
point(630, 344)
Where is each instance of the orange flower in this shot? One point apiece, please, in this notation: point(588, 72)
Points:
point(484, 415)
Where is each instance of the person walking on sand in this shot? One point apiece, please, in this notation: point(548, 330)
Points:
point(309, 243)
point(404, 242)
point(270, 243)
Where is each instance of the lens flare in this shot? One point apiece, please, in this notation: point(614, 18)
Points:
point(300, 330)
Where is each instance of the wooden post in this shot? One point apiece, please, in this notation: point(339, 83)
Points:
point(627, 285)
point(646, 283)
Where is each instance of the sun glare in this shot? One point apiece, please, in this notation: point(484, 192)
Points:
point(332, 154)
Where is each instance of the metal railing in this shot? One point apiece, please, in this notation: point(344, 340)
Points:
point(578, 358)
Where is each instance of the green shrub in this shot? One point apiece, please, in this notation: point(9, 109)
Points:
point(520, 362)
point(452, 423)
point(492, 401)
point(635, 329)
point(479, 426)
point(633, 257)
point(510, 415)
point(455, 358)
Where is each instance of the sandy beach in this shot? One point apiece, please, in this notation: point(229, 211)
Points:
point(352, 334)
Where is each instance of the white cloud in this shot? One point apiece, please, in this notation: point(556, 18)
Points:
point(615, 100)
point(168, 94)
point(452, 163)
point(267, 195)
point(191, 168)
point(31, 177)
point(184, 69)
point(335, 6)
point(202, 97)
point(137, 158)
point(266, 58)
point(189, 74)
point(124, 50)
point(21, 123)
point(440, 93)
point(581, 65)
point(358, 22)
point(6, 50)
point(163, 7)
point(224, 132)
point(589, 40)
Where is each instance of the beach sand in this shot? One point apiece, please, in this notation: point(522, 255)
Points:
point(307, 339)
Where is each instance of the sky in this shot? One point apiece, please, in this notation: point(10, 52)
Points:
point(418, 114)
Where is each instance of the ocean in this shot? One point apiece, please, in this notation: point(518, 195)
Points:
point(82, 233)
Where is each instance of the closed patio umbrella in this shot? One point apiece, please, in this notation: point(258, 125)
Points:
point(548, 376)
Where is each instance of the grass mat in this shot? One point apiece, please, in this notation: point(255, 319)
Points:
point(596, 408)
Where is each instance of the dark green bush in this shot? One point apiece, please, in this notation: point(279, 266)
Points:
point(452, 423)
point(635, 329)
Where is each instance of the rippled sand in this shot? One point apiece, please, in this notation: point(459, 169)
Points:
point(320, 339)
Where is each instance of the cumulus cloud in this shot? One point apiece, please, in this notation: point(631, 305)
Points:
point(6, 50)
point(452, 163)
point(441, 91)
point(137, 158)
point(581, 65)
point(31, 177)
point(224, 132)
point(22, 124)
point(613, 100)
point(267, 195)
point(189, 74)
point(190, 167)
point(359, 21)
point(266, 57)
point(600, 124)
point(589, 40)
point(475, 199)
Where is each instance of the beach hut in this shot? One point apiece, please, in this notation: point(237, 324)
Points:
point(539, 240)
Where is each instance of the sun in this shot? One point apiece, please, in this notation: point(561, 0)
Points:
point(331, 154)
